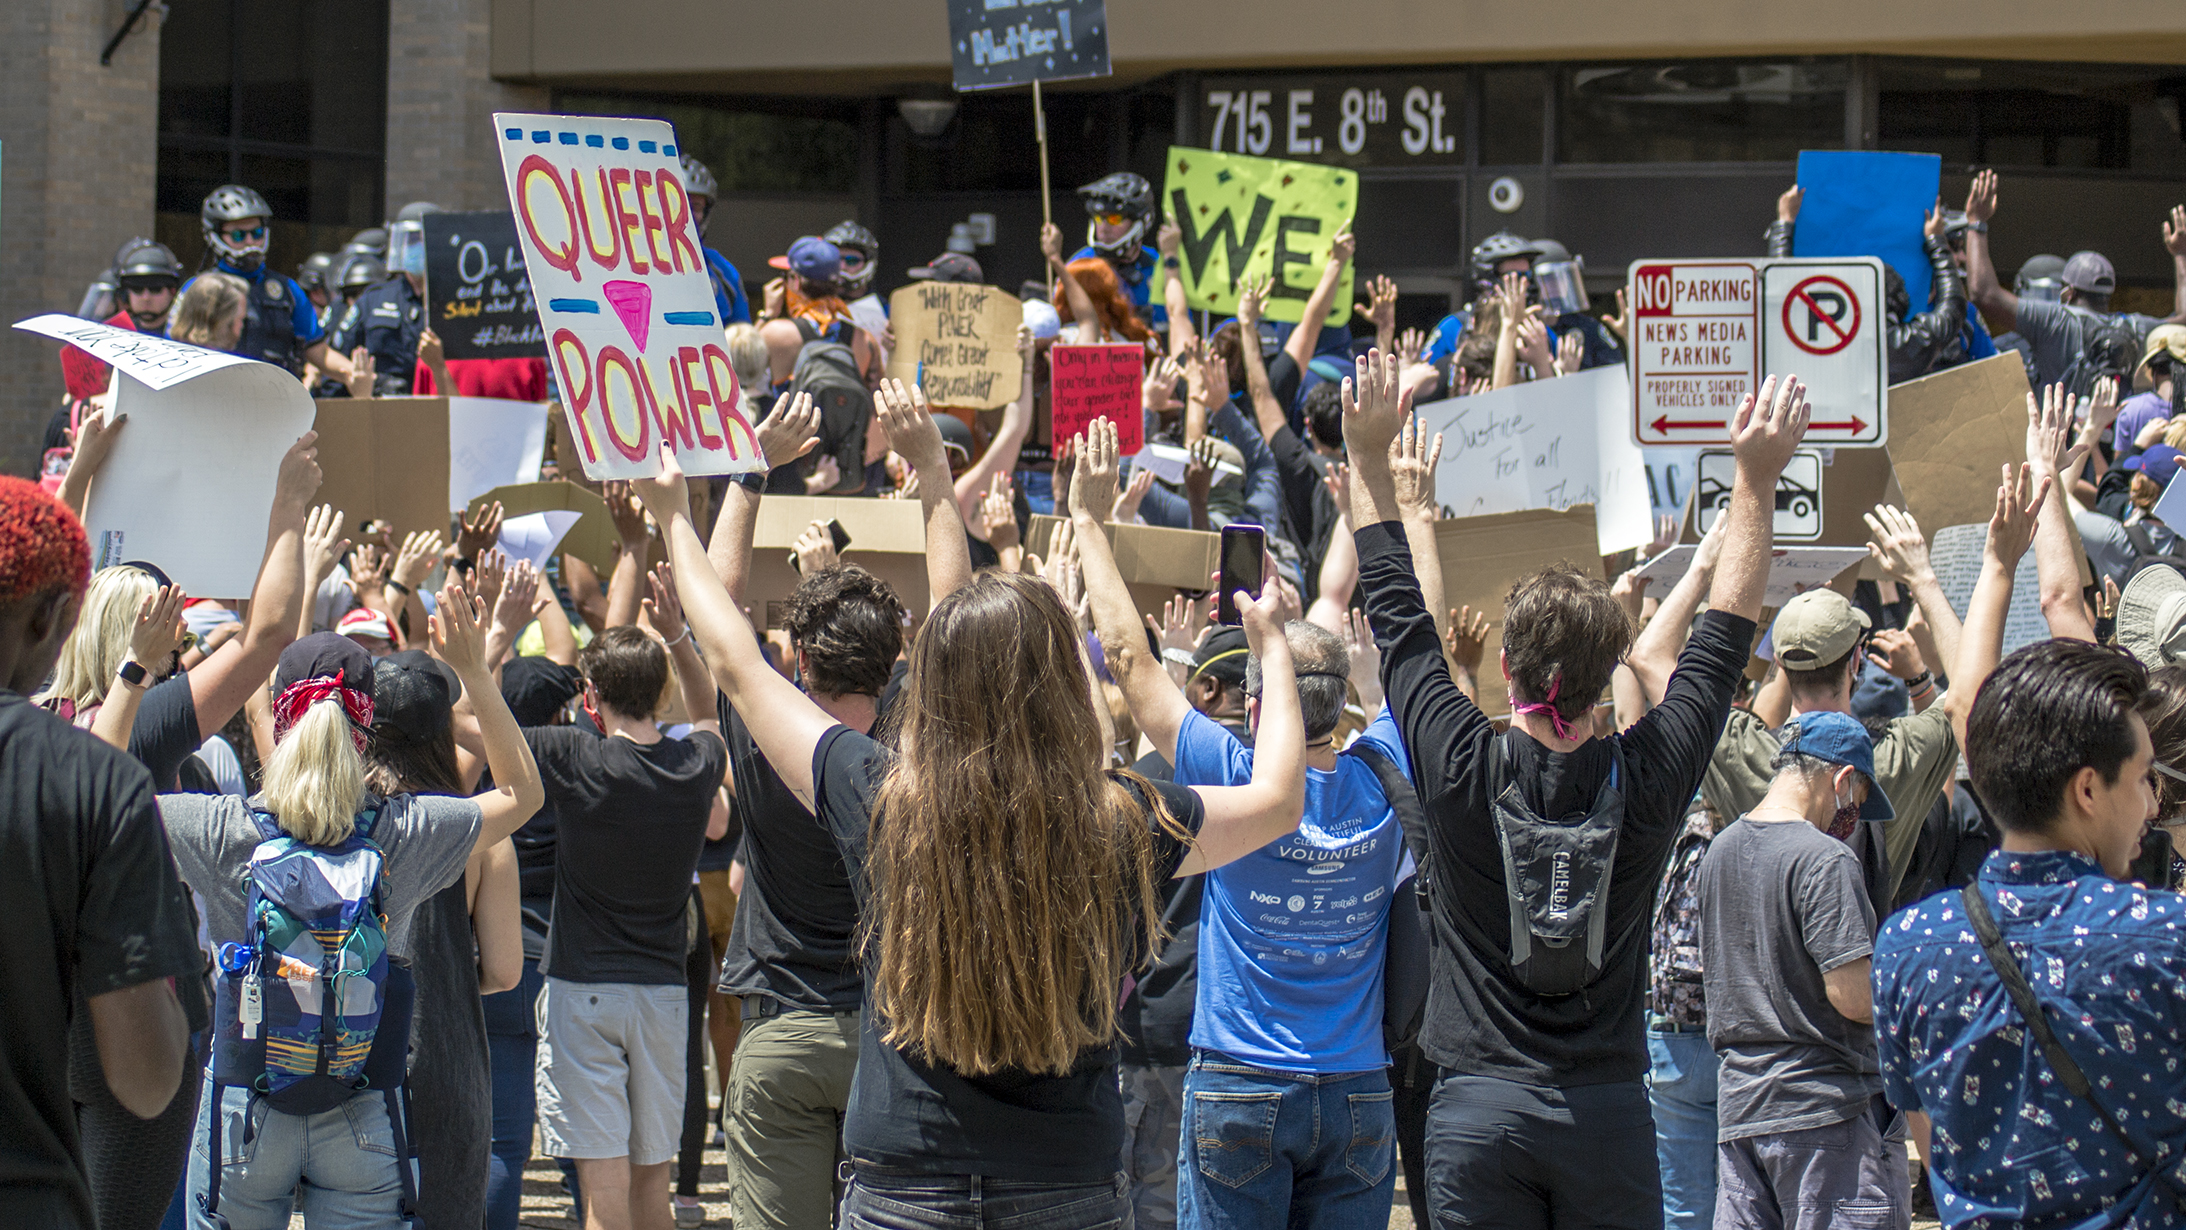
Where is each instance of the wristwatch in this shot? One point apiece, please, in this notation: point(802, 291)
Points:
point(1982, 227)
point(755, 482)
point(131, 672)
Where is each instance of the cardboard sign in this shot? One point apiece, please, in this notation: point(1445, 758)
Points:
point(1248, 217)
point(477, 297)
point(1792, 570)
point(957, 342)
point(587, 530)
point(1099, 382)
point(492, 441)
point(1482, 557)
point(1000, 42)
point(190, 482)
point(1868, 203)
point(1545, 444)
point(1956, 430)
point(887, 538)
point(1709, 331)
point(1147, 554)
point(385, 458)
point(623, 295)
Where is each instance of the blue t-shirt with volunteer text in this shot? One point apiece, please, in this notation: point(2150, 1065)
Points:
point(1293, 937)
point(306, 317)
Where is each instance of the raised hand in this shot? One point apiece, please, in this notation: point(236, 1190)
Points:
point(1358, 640)
point(1899, 548)
point(789, 431)
point(1468, 638)
point(2018, 498)
point(420, 551)
point(95, 441)
point(1252, 302)
point(363, 373)
point(324, 545)
point(518, 602)
point(1380, 307)
point(1373, 409)
point(1093, 484)
point(479, 531)
point(2174, 231)
point(815, 549)
point(1615, 324)
point(998, 513)
point(1263, 614)
point(1158, 394)
point(1981, 197)
point(666, 495)
point(1051, 243)
point(1768, 428)
point(431, 352)
point(488, 577)
point(299, 477)
point(1787, 203)
point(1570, 352)
point(663, 606)
point(2049, 430)
point(1533, 348)
point(1126, 511)
point(1412, 463)
point(626, 511)
point(1337, 482)
point(158, 631)
point(1341, 247)
point(1169, 238)
point(910, 426)
point(1411, 344)
point(1896, 653)
point(457, 630)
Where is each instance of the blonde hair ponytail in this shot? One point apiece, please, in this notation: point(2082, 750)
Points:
point(315, 781)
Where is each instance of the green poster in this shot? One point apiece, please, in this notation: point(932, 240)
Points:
point(1250, 217)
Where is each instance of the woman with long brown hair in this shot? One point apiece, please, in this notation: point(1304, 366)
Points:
point(1008, 883)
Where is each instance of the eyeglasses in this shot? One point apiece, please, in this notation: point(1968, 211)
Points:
point(256, 232)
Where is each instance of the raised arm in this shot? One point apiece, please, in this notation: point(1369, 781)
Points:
point(94, 442)
point(1267, 413)
point(459, 638)
point(1654, 651)
point(324, 547)
point(1381, 308)
point(1901, 551)
point(2174, 242)
point(628, 580)
point(1000, 456)
point(1082, 310)
point(784, 722)
point(152, 641)
point(1412, 462)
point(1299, 346)
point(1241, 819)
point(789, 431)
point(1181, 334)
point(1982, 286)
point(2011, 528)
point(1764, 433)
point(2052, 456)
point(220, 686)
point(912, 434)
point(665, 610)
point(1156, 702)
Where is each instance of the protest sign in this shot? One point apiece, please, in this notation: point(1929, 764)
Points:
point(1245, 217)
point(1482, 557)
point(1957, 553)
point(957, 342)
point(887, 538)
point(623, 295)
point(477, 297)
point(1154, 562)
point(1169, 463)
point(385, 458)
point(575, 519)
point(1546, 444)
point(1956, 430)
point(201, 455)
point(1792, 570)
point(492, 441)
point(1868, 203)
point(998, 42)
point(2170, 507)
point(1099, 382)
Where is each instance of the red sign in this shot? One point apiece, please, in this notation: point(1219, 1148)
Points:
point(1821, 315)
point(1100, 382)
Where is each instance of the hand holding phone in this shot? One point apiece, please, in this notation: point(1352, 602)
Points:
point(1244, 557)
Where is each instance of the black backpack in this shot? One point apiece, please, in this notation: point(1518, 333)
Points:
point(1406, 967)
point(828, 370)
point(1556, 873)
point(2108, 348)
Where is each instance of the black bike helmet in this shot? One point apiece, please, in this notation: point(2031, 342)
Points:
point(233, 203)
point(852, 236)
point(1121, 193)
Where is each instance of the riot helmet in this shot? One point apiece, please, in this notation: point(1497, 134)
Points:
point(861, 254)
point(406, 238)
point(1121, 200)
point(360, 271)
point(2041, 278)
point(1490, 253)
point(371, 239)
point(316, 272)
point(242, 248)
point(146, 266)
point(1559, 277)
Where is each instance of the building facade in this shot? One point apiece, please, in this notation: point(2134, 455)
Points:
point(1623, 131)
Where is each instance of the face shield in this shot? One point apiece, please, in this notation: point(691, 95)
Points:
point(1563, 285)
point(406, 248)
point(2041, 290)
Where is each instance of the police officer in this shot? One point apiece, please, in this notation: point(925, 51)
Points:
point(360, 272)
point(1491, 258)
point(279, 324)
point(145, 277)
point(729, 298)
point(860, 250)
point(1120, 209)
point(315, 275)
point(391, 316)
point(1561, 280)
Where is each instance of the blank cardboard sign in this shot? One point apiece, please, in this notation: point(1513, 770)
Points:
point(385, 457)
point(1155, 562)
point(1950, 435)
point(887, 539)
point(1482, 557)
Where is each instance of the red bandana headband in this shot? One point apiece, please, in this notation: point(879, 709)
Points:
point(297, 698)
point(1556, 722)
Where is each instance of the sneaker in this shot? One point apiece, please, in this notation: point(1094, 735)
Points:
point(689, 1216)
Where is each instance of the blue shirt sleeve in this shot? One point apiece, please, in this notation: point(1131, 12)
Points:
point(305, 316)
point(1263, 484)
point(1442, 343)
point(728, 290)
point(1208, 755)
point(1890, 1054)
point(1383, 736)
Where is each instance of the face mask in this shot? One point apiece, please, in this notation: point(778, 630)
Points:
point(1840, 824)
point(412, 258)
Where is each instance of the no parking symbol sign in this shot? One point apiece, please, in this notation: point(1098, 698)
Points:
point(1823, 321)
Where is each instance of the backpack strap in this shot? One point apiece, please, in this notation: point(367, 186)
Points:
point(1403, 800)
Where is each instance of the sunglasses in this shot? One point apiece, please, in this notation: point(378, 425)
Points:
point(1112, 219)
point(852, 259)
point(256, 232)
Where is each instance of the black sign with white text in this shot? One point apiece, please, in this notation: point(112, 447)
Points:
point(1397, 119)
point(477, 297)
point(1014, 42)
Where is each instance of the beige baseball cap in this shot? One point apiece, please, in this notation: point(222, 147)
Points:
point(1817, 628)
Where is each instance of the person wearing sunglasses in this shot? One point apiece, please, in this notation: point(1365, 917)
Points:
point(1120, 210)
point(280, 326)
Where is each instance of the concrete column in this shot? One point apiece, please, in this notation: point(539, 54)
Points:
point(78, 169)
point(440, 105)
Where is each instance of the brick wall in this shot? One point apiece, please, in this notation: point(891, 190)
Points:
point(440, 105)
point(77, 173)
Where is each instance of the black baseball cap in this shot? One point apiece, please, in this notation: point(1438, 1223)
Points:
point(413, 702)
point(537, 688)
point(1222, 656)
point(950, 267)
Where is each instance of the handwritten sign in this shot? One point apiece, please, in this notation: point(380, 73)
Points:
point(1100, 382)
point(1792, 570)
point(155, 361)
point(1546, 444)
point(622, 294)
point(997, 42)
point(957, 342)
point(476, 294)
point(1247, 217)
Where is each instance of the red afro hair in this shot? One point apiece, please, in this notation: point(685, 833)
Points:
point(42, 544)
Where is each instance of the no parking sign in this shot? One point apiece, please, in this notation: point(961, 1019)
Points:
point(1708, 333)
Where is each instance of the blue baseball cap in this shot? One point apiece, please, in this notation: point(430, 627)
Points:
point(1840, 739)
point(812, 258)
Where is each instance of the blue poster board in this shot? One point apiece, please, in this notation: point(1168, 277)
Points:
point(1869, 203)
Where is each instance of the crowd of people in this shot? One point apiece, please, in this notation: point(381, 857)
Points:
point(1033, 907)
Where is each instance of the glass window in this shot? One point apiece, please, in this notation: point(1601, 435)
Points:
point(989, 146)
point(1513, 110)
point(1703, 111)
point(747, 149)
point(2029, 115)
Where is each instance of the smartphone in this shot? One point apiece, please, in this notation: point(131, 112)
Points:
point(1244, 554)
point(836, 532)
point(2152, 866)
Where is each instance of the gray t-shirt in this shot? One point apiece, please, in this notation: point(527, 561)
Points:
point(425, 842)
point(1780, 905)
point(2057, 333)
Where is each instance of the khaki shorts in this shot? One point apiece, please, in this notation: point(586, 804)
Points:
point(610, 1074)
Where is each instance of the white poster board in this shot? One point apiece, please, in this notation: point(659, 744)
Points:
point(1546, 444)
point(1792, 570)
point(624, 299)
point(189, 485)
point(492, 442)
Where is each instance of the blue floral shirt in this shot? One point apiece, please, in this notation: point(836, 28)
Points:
point(2014, 1147)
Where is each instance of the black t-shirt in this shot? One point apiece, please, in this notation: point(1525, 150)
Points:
point(166, 731)
point(1480, 1019)
point(89, 903)
point(796, 921)
point(1012, 1125)
point(630, 819)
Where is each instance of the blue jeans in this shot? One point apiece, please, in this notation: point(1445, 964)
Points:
point(1265, 1148)
point(346, 1157)
point(1681, 1088)
point(882, 1199)
point(512, 1046)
